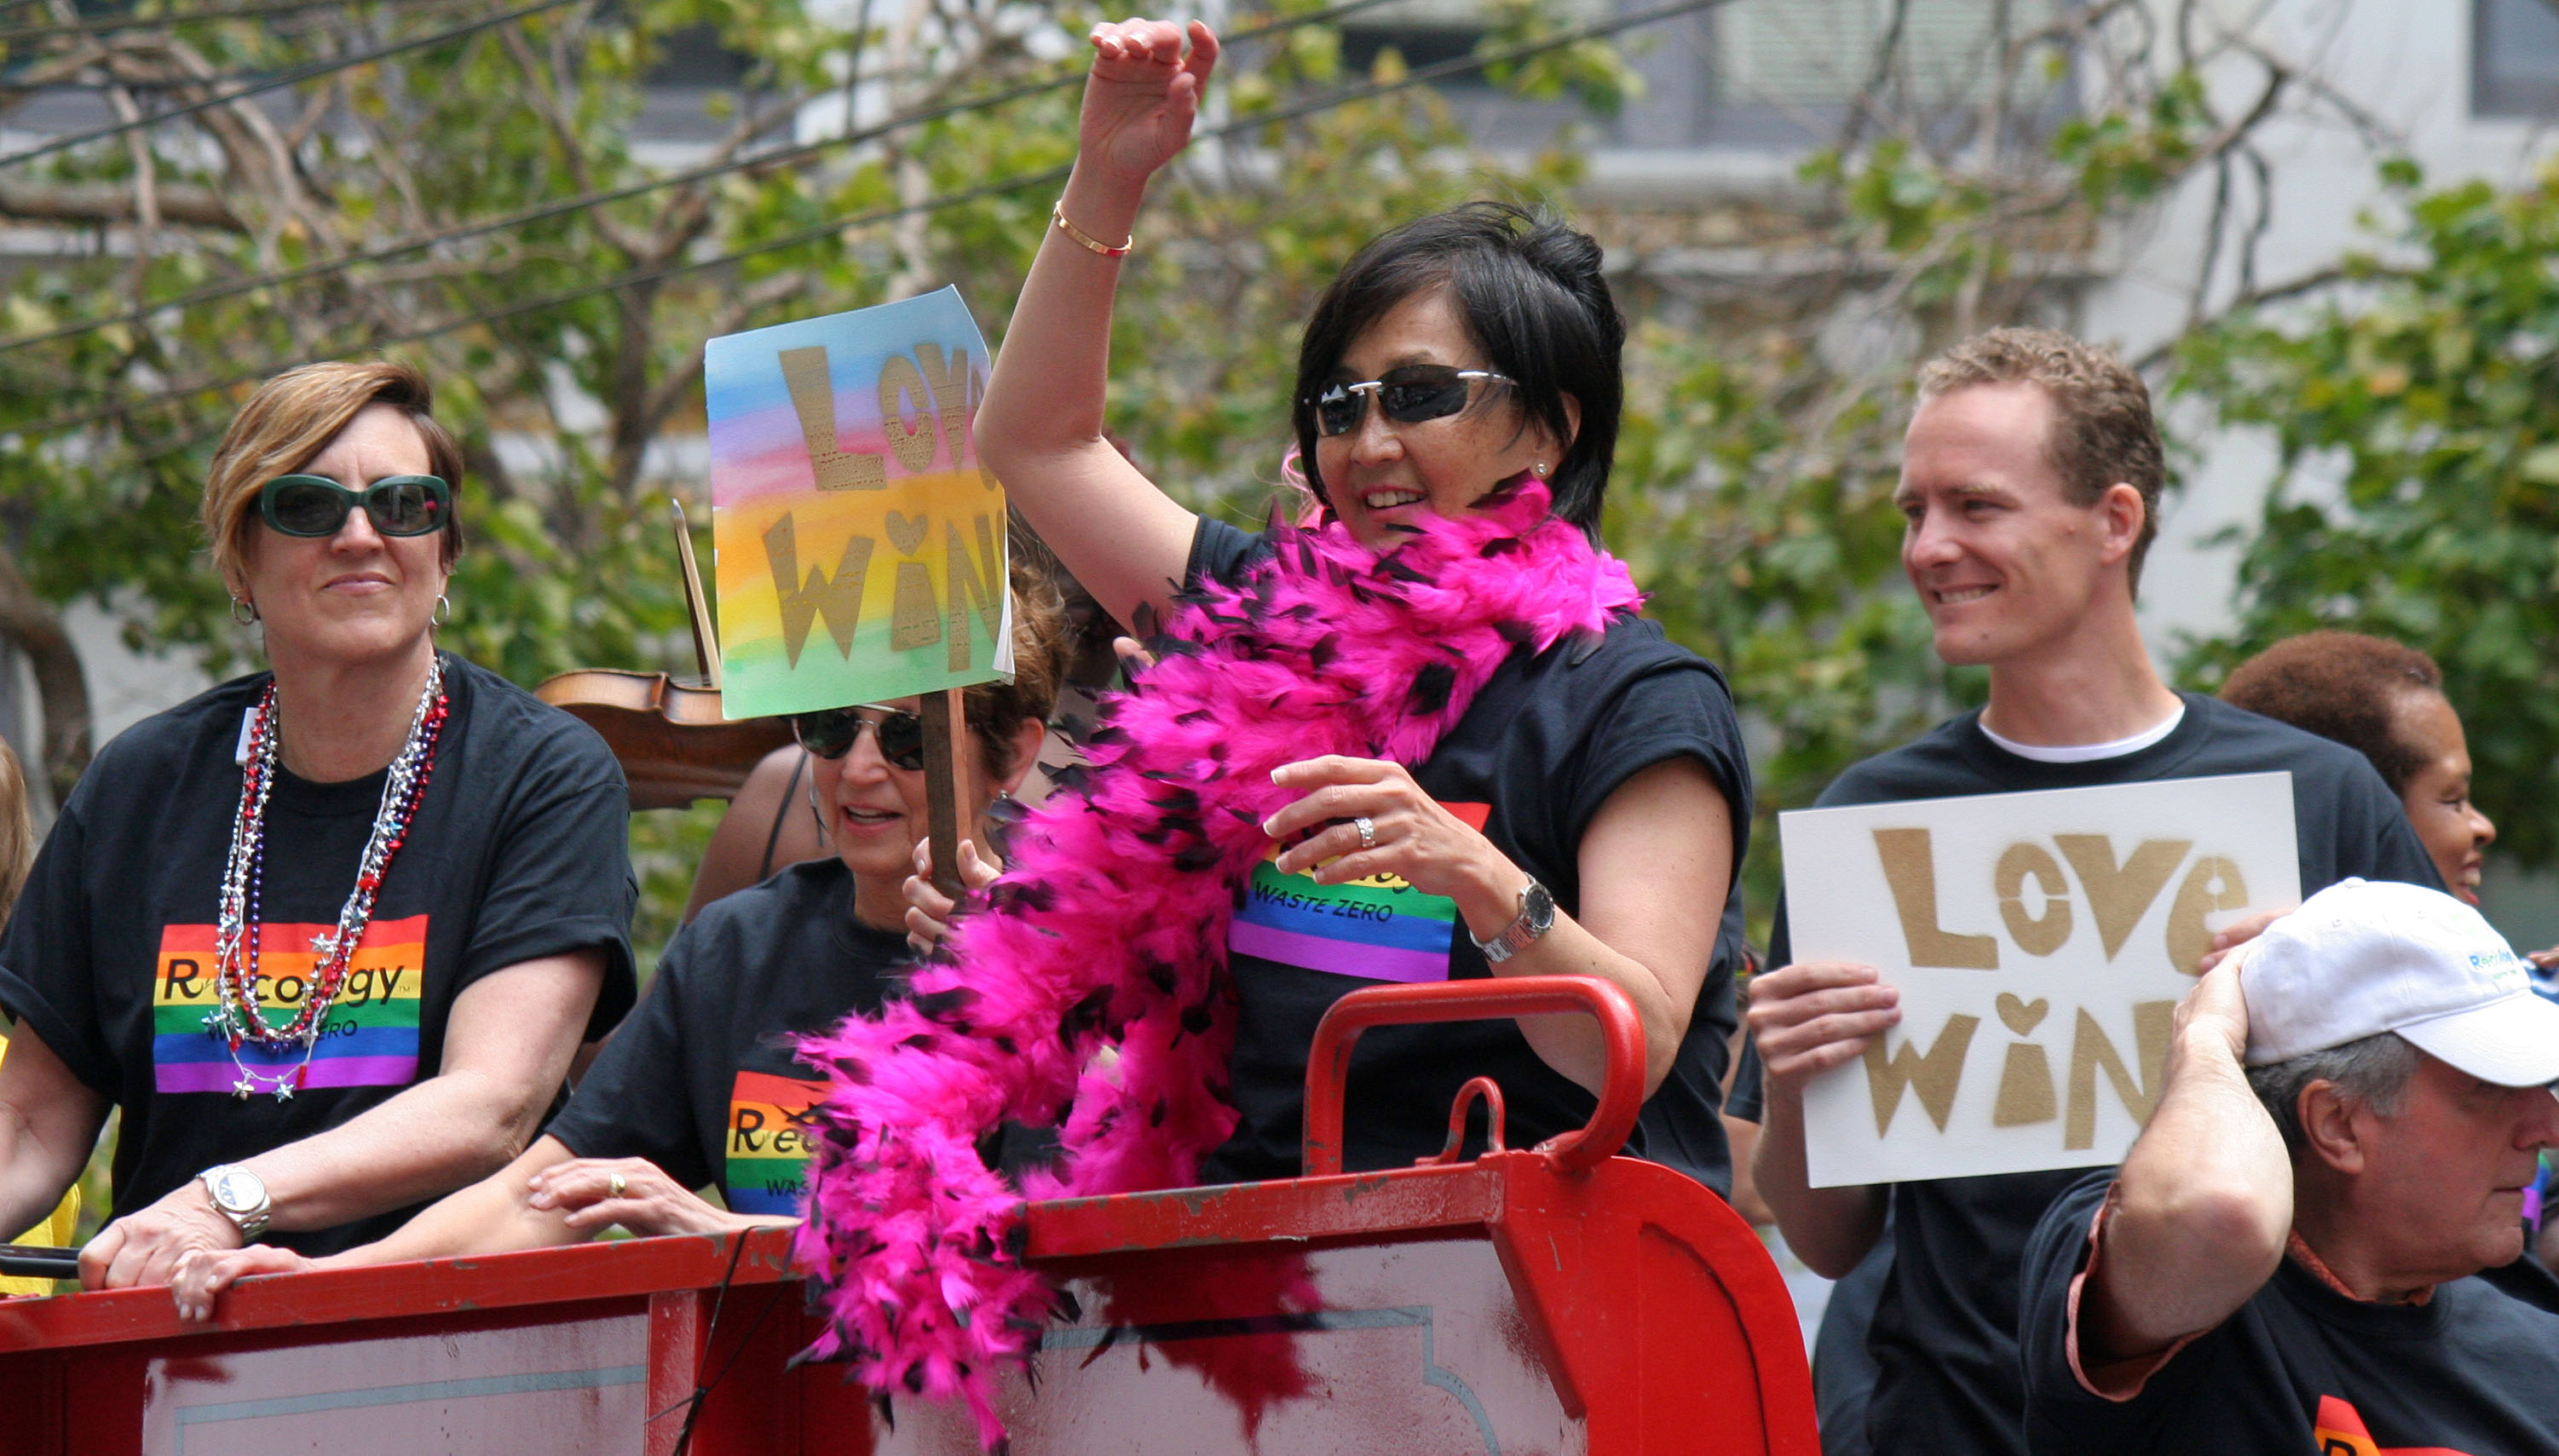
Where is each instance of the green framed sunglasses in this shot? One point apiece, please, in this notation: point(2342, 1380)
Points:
point(316, 505)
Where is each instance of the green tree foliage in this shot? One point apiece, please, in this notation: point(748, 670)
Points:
point(1762, 447)
point(2414, 402)
point(439, 203)
point(101, 453)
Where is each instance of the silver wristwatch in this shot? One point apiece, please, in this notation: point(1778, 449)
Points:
point(1535, 917)
point(240, 1196)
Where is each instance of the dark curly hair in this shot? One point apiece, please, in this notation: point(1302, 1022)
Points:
point(1534, 300)
point(1041, 643)
point(2340, 685)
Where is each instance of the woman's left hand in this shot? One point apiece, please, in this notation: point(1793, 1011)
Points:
point(144, 1247)
point(648, 1201)
point(1410, 836)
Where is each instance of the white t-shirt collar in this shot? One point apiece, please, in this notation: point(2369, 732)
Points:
point(2088, 753)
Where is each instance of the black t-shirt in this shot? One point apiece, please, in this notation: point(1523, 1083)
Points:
point(701, 1079)
point(2472, 1371)
point(1944, 1337)
point(520, 850)
point(1545, 743)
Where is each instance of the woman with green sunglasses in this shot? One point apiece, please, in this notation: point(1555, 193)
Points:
point(700, 1088)
point(330, 934)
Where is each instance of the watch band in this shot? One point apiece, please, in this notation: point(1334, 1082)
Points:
point(1535, 917)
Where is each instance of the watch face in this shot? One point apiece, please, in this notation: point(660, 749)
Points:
point(1537, 906)
point(239, 1190)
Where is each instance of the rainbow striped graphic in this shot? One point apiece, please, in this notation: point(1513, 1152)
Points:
point(368, 1040)
point(768, 1142)
point(1377, 929)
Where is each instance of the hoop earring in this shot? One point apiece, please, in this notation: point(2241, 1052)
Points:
point(816, 815)
point(443, 609)
point(244, 610)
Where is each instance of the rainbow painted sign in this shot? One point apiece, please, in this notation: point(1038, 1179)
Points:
point(859, 546)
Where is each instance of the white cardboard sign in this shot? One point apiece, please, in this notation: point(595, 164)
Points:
point(2041, 943)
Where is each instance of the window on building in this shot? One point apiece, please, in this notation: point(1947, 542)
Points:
point(2515, 58)
point(1776, 73)
point(1797, 66)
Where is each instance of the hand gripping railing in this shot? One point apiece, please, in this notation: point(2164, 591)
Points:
point(1621, 1033)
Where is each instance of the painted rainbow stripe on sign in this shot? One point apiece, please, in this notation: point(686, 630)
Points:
point(768, 1142)
point(368, 1040)
point(1377, 929)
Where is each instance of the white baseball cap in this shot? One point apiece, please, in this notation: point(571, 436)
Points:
point(2361, 957)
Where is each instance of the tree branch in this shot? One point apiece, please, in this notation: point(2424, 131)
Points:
point(27, 621)
point(107, 202)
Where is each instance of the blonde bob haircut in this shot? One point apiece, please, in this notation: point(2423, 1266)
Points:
point(292, 419)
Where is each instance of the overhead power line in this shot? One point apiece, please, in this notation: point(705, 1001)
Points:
point(278, 82)
point(801, 237)
point(108, 25)
point(773, 157)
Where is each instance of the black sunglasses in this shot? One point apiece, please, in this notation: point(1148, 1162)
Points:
point(829, 733)
point(1409, 395)
point(316, 505)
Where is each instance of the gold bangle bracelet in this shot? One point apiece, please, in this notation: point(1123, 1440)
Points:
point(1087, 240)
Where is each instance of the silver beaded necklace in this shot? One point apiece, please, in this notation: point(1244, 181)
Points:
point(238, 1015)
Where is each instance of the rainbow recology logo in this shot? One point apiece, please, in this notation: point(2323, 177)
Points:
point(768, 1142)
point(1376, 929)
point(370, 1038)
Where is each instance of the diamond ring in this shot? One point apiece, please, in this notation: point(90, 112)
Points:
point(1368, 832)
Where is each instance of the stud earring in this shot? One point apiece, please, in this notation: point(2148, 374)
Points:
point(1538, 470)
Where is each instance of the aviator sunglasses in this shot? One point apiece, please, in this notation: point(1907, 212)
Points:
point(830, 733)
point(316, 505)
point(1409, 395)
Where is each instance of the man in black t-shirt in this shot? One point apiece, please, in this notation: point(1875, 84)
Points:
point(2031, 479)
point(2317, 1244)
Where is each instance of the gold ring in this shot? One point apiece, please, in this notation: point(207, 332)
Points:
point(616, 1184)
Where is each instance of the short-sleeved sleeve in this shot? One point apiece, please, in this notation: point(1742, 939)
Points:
point(635, 1102)
point(1680, 710)
point(1222, 552)
point(560, 880)
point(2048, 1307)
point(45, 979)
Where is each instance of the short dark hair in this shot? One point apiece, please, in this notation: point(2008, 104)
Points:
point(1530, 293)
point(2102, 432)
point(2343, 686)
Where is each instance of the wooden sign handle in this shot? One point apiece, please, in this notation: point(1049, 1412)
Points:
point(946, 783)
point(698, 607)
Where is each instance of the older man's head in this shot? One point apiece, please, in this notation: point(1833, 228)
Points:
point(2396, 1042)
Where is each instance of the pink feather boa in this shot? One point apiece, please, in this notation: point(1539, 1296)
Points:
point(1108, 927)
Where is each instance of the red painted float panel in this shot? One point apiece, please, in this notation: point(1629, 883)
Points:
point(1530, 1303)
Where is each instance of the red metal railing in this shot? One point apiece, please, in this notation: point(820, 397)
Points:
point(1621, 1033)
